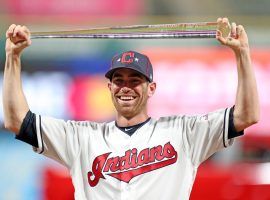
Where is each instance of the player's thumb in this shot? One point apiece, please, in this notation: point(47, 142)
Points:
point(228, 41)
point(220, 38)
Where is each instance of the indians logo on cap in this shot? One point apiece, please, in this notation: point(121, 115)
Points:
point(127, 57)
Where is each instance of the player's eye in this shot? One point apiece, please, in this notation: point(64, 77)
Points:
point(118, 81)
point(135, 82)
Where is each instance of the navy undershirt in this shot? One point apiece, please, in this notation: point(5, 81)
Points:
point(28, 129)
point(131, 129)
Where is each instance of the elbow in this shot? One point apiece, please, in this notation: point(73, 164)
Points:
point(245, 119)
point(13, 121)
point(254, 119)
point(251, 122)
point(11, 127)
point(7, 126)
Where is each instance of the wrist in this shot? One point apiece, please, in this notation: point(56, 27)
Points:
point(242, 51)
point(243, 55)
point(13, 55)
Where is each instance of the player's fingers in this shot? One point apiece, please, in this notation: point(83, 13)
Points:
point(239, 30)
point(233, 30)
point(24, 44)
point(218, 34)
point(19, 34)
point(10, 30)
point(27, 34)
point(225, 20)
point(224, 26)
point(26, 30)
point(29, 42)
point(225, 23)
point(22, 34)
point(16, 30)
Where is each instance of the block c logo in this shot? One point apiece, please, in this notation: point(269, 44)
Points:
point(127, 57)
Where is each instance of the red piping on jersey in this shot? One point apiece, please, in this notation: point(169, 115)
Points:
point(131, 164)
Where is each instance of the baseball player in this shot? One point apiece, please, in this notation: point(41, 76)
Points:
point(135, 157)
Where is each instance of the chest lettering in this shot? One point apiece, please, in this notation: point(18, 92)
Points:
point(132, 164)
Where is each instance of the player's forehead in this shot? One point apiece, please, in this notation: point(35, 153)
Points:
point(126, 72)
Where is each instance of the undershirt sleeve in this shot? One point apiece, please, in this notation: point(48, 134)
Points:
point(232, 133)
point(27, 131)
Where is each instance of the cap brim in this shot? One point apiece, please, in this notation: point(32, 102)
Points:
point(110, 73)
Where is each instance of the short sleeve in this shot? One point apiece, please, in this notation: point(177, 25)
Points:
point(204, 135)
point(57, 139)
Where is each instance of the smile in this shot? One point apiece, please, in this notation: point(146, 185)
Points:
point(126, 98)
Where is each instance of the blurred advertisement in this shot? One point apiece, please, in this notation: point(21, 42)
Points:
point(82, 7)
point(202, 80)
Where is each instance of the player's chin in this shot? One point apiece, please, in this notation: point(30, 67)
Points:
point(126, 107)
point(127, 112)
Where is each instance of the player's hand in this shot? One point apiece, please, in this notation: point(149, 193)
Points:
point(17, 38)
point(237, 39)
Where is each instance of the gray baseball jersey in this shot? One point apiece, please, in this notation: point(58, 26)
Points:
point(159, 161)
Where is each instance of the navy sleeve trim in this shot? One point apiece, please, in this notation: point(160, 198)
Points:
point(28, 131)
point(232, 133)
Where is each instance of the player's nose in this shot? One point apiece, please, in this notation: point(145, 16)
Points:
point(125, 89)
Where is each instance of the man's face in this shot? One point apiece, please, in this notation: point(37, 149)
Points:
point(130, 91)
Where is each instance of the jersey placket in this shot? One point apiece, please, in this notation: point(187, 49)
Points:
point(126, 188)
point(125, 191)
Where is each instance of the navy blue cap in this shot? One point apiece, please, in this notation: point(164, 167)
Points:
point(132, 60)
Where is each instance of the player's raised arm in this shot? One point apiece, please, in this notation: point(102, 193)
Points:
point(14, 101)
point(246, 110)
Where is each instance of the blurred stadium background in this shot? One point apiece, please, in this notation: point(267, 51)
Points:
point(64, 79)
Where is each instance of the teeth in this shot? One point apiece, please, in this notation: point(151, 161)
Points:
point(126, 98)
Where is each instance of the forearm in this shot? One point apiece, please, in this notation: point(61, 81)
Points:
point(14, 101)
point(246, 110)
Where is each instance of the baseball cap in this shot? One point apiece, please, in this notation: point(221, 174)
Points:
point(131, 60)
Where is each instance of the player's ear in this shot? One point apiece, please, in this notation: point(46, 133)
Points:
point(151, 89)
point(109, 85)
